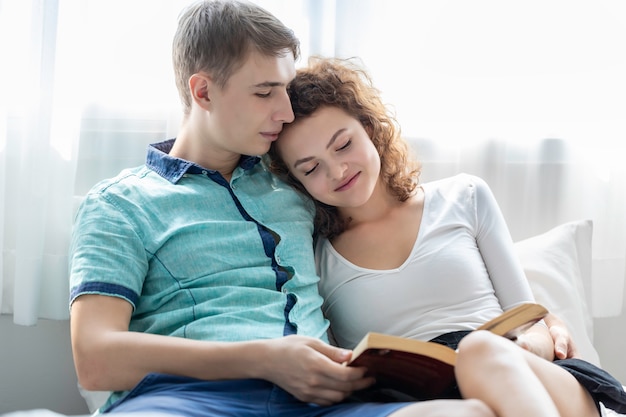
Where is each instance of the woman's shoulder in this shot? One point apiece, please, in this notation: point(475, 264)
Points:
point(458, 182)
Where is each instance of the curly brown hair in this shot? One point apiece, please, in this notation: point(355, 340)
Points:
point(345, 84)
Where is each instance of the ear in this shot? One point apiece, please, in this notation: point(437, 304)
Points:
point(199, 86)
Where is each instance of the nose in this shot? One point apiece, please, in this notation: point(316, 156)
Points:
point(284, 112)
point(337, 171)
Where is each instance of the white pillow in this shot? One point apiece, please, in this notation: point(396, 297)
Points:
point(558, 264)
point(94, 399)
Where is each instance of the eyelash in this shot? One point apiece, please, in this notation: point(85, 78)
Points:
point(347, 145)
point(263, 95)
point(310, 171)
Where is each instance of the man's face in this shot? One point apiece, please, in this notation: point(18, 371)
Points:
point(249, 112)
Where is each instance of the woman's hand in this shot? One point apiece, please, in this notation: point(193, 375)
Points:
point(538, 340)
point(564, 346)
point(549, 339)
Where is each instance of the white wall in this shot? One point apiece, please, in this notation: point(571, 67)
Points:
point(610, 342)
point(36, 368)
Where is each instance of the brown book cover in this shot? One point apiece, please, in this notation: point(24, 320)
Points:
point(413, 369)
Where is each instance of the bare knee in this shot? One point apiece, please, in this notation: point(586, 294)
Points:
point(446, 408)
point(483, 346)
point(482, 354)
point(477, 408)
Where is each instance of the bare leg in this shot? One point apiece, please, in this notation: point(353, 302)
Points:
point(445, 408)
point(517, 383)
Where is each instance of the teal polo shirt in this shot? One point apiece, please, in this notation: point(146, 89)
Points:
point(199, 257)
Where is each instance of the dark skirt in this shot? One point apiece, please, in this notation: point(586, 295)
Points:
point(602, 386)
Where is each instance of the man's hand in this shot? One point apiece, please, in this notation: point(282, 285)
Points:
point(311, 370)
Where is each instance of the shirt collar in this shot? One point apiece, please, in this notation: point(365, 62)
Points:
point(173, 169)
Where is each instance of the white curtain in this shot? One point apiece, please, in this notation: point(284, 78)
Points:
point(38, 138)
point(529, 95)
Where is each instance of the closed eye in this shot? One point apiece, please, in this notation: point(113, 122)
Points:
point(263, 95)
point(347, 145)
point(310, 171)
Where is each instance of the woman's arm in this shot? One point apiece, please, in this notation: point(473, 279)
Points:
point(509, 280)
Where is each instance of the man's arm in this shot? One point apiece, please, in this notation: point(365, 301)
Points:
point(108, 356)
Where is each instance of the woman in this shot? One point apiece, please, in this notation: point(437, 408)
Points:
point(424, 261)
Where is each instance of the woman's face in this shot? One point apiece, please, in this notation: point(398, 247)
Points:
point(332, 155)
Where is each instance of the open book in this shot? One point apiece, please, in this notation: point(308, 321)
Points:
point(408, 369)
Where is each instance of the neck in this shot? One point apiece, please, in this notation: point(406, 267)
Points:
point(195, 145)
point(380, 204)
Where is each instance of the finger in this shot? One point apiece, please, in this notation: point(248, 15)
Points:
point(560, 348)
point(522, 342)
point(326, 398)
point(334, 353)
point(572, 351)
point(560, 351)
point(332, 391)
point(561, 342)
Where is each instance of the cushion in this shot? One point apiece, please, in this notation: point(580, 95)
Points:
point(557, 264)
point(94, 399)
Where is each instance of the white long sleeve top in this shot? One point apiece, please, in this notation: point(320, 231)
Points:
point(461, 272)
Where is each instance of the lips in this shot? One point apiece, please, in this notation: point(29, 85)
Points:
point(348, 183)
point(271, 136)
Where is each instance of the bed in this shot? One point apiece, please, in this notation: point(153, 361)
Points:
point(558, 266)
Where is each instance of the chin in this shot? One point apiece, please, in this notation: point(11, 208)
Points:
point(256, 151)
point(263, 149)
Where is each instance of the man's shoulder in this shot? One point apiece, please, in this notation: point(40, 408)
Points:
point(129, 185)
point(127, 178)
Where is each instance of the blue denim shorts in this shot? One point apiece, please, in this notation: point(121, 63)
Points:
point(182, 396)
